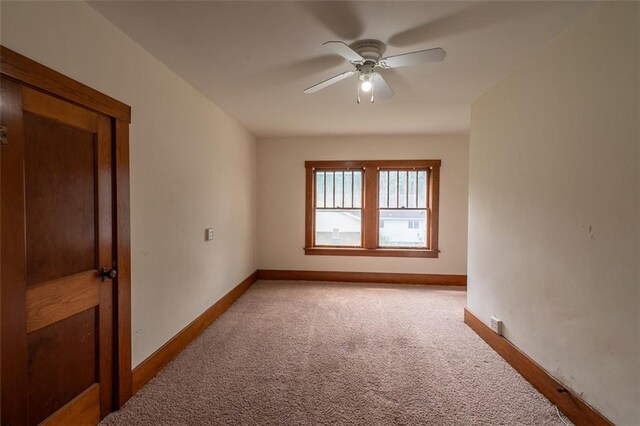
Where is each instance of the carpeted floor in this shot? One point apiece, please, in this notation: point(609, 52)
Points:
point(300, 353)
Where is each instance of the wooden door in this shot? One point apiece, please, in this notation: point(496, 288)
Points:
point(57, 260)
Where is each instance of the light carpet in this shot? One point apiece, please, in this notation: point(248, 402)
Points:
point(302, 353)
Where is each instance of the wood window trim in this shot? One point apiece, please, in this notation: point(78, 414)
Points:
point(33, 74)
point(370, 246)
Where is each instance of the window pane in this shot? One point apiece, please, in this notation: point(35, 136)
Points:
point(329, 190)
point(393, 189)
point(357, 188)
point(413, 180)
point(422, 189)
point(405, 228)
point(402, 189)
point(338, 227)
point(339, 177)
point(320, 189)
point(348, 187)
point(382, 188)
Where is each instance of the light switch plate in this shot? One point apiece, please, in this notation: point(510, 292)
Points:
point(208, 234)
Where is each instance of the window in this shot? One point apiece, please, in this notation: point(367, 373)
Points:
point(338, 208)
point(372, 208)
point(402, 202)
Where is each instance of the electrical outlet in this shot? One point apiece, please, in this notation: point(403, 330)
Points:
point(208, 234)
point(496, 324)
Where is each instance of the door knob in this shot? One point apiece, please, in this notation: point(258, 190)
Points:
point(108, 274)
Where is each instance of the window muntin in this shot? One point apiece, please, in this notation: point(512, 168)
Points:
point(338, 208)
point(402, 208)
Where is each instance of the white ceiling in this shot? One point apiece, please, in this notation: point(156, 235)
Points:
point(253, 59)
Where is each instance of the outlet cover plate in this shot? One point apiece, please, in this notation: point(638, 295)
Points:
point(496, 325)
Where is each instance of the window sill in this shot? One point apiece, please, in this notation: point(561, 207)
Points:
point(381, 252)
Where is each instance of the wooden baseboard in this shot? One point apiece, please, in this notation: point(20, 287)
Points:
point(157, 360)
point(363, 277)
point(570, 404)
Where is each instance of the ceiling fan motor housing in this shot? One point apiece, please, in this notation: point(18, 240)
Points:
point(371, 50)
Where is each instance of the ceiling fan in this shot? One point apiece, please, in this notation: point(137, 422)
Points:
point(366, 57)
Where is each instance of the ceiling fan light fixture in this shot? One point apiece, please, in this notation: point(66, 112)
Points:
point(366, 86)
point(366, 82)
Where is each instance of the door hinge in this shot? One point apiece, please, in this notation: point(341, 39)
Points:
point(3, 136)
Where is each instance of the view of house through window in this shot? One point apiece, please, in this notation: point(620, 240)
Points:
point(338, 215)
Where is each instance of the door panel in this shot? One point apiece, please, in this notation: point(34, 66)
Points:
point(60, 169)
point(54, 376)
point(60, 199)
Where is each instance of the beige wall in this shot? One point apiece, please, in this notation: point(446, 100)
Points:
point(554, 232)
point(281, 192)
point(192, 166)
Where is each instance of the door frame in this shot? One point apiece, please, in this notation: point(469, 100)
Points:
point(29, 73)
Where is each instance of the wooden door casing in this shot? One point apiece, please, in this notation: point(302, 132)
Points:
point(58, 171)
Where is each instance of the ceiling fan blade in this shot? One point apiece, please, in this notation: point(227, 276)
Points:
point(468, 17)
point(343, 50)
point(413, 58)
point(329, 82)
point(339, 17)
point(381, 88)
